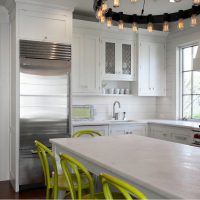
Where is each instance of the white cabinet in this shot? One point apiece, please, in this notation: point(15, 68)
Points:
point(101, 129)
point(137, 129)
point(44, 26)
point(117, 59)
point(171, 133)
point(160, 132)
point(85, 63)
point(151, 69)
point(117, 129)
point(183, 136)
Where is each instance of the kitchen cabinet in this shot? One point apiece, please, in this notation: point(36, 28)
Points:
point(118, 59)
point(151, 69)
point(101, 129)
point(85, 63)
point(137, 129)
point(171, 133)
point(160, 132)
point(45, 26)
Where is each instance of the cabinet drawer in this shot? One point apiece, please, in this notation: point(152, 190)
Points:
point(44, 27)
point(181, 138)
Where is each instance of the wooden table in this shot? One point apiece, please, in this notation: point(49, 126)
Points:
point(160, 169)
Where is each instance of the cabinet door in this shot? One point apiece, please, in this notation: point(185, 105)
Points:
point(152, 73)
point(85, 64)
point(109, 59)
point(118, 130)
point(157, 69)
point(160, 132)
point(45, 27)
point(127, 61)
point(101, 129)
point(144, 65)
point(139, 130)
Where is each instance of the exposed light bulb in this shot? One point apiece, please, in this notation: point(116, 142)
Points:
point(150, 27)
point(181, 24)
point(121, 24)
point(102, 19)
point(109, 22)
point(193, 21)
point(104, 7)
point(166, 26)
point(196, 2)
point(116, 3)
point(99, 13)
point(134, 27)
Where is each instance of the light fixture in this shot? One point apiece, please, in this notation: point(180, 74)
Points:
point(101, 7)
point(181, 24)
point(102, 19)
point(150, 24)
point(109, 22)
point(196, 2)
point(193, 21)
point(99, 13)
point(109, 18)
point(121, 22)
point(104, 7)
point(134, 23)
point(166, 22)
point(116, 3)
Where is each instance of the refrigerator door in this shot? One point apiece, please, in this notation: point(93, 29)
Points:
point(44, 107)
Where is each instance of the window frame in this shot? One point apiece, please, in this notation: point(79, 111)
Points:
point(181, 83)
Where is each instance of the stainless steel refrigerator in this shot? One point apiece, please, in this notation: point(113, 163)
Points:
point(44, 102)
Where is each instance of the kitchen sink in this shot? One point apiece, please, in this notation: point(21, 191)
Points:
point(121, 121)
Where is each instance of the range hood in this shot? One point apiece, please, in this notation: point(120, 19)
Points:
point(196, 60)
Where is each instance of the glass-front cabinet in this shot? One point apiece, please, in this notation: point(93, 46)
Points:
point(118, 59)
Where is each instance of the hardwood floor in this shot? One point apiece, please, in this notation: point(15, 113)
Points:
point(7, 192)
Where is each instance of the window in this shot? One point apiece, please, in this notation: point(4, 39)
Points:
point(190, 97)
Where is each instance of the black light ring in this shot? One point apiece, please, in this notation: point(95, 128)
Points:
point(172, 17)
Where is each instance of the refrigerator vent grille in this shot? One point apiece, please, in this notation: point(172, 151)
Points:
point(45, 50)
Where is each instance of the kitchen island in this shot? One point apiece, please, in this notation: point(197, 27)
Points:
point(160, 169)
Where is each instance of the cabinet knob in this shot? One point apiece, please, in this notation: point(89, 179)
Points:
point(45, 37)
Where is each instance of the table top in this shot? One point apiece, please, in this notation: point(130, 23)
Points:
point(170, 169)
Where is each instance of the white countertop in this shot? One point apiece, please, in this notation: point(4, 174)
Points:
point(169, 169)
point(177, 123)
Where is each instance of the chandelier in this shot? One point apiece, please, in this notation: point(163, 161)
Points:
point(107, 15)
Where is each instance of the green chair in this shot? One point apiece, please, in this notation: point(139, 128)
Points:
point(91, 133)
point(53, 181)
point(127, 190)
point(68, 164)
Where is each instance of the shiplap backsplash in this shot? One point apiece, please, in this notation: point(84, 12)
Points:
point(135, 107)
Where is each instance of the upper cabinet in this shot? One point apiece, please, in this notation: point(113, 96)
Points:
point(85, 62)
point(151, 66)
point(117, 59)
point(41, 26)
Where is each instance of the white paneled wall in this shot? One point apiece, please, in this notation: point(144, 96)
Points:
point(135, 107)
point(4, 95)
point(168, 107)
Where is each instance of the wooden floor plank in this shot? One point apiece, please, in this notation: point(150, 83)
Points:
point(7, 192)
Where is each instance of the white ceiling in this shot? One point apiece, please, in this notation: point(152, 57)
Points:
point(152, 6)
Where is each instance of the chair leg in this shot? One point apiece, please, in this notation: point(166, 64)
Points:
point(48, 191)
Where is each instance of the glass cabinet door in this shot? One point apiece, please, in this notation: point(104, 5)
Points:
point(110, 67)
point(126, 59)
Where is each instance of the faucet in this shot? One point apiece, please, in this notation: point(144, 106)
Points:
point(116, 115)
